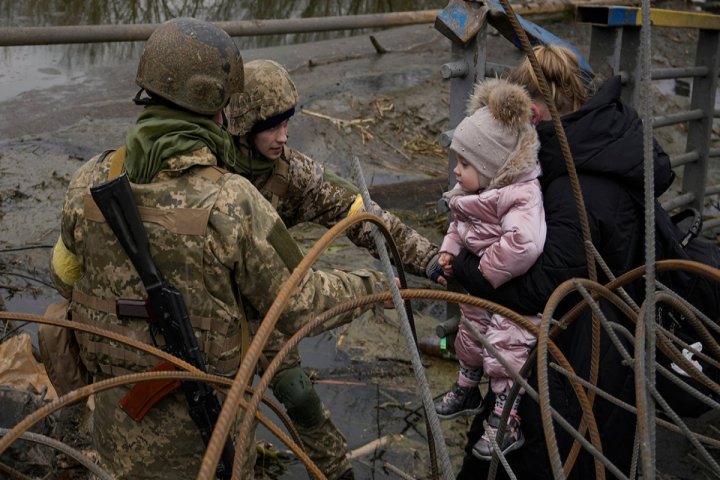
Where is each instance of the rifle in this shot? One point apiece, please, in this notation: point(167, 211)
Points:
point(167, 313)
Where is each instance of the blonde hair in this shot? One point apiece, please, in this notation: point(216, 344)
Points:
point(562, 72)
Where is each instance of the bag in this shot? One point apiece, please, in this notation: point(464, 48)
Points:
point(674, 242)
point(60, 352)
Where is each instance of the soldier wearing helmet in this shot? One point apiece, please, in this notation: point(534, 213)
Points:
point(198, 219)
point(301, 190)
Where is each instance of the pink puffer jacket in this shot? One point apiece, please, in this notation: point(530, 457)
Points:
point(505, 226)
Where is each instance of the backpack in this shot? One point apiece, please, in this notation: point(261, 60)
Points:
point(677, 238)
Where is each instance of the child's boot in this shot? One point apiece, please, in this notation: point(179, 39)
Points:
point(459, 401)
point(512, 439)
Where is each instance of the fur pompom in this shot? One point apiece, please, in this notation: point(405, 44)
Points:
point(509, 103)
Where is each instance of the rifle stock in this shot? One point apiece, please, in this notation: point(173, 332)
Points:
point(165, 304)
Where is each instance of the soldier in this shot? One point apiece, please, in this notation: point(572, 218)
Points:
point(211, 233)
point(301, 190)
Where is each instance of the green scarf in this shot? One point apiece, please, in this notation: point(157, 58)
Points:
point(161, 133)
point(252, 165)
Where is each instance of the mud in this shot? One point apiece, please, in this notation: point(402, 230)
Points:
point(387, 109)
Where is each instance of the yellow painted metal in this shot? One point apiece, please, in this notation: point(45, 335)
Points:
point(618, 16)
point(674, 18)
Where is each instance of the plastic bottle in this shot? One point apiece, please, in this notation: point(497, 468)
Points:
point(437, 347)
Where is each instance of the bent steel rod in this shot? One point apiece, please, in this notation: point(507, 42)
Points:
point(113, 382)
point(247, 366)
point(131, 342)
point(64, 448)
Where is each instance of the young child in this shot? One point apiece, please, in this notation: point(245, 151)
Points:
point(497, 213)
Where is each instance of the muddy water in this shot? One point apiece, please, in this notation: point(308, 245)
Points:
point(27, 68)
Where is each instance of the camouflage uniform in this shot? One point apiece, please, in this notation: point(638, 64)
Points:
point(302, 191)
point(324, 199)
point(318, 196)
point(223, 246)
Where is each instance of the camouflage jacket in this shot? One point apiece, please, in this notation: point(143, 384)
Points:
point(215, 238)
point(224, 247)
point(319, 196)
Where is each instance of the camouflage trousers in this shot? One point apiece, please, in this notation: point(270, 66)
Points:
point(323, 442)
point(326, 446)
point(166, 445)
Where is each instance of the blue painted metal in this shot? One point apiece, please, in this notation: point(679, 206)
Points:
point(619, 16)
point(622, 17)
point(460, 20)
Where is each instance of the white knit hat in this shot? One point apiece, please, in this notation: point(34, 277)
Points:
point(492, 133)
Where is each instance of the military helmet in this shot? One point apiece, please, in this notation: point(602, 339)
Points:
point(270, 95)
point(191, 63)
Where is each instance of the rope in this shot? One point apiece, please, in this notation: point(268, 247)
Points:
point(410, 341)
point(577, 193)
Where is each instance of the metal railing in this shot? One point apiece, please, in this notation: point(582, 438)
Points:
point(615, 41)
point(51, 35)
point(614, 45)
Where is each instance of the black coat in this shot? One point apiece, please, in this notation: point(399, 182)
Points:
point(606, 141)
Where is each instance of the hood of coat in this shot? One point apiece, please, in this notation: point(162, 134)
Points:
point(522, 163)
point(606, 138)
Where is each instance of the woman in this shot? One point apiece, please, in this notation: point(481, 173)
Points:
point(605, 138)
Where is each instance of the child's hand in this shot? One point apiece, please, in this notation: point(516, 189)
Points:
point(445, 261)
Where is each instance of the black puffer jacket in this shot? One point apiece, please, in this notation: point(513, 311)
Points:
point(605, 138)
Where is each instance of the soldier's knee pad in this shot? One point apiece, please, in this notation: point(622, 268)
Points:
point(293, 388)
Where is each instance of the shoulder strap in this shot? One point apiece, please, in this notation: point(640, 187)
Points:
point(117, 163)
point(212, 173)
point(280, 180)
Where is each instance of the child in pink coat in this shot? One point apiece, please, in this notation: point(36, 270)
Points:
point(497, 213)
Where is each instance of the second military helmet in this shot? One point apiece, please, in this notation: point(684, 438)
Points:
point(191, 63)
point(269, 98)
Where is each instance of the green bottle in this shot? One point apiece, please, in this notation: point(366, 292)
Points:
point(438, 347)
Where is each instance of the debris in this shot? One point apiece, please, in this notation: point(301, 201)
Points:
point(20, 370)
point(346, 124)
point(397, 471)
point(371, 447)
point(382, 105)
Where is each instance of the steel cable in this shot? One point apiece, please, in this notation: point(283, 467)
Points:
point(645, 365)
point(114, 382)
point(66, 449)
point(409, 335)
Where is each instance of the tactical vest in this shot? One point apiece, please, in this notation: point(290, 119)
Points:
point(177, 238)
point(279, 180)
